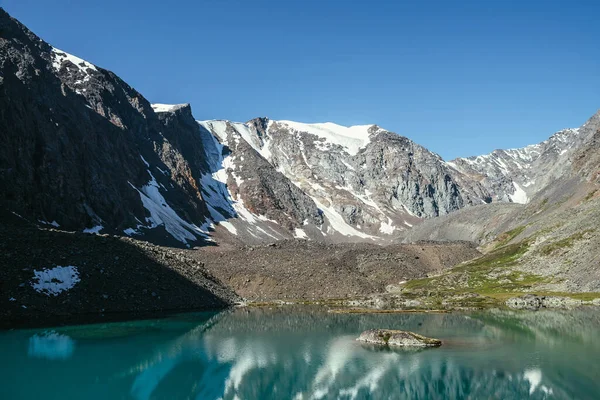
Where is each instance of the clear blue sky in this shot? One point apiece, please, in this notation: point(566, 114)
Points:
point(460, 77)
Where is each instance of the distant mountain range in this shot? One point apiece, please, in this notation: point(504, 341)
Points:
point(82, 150)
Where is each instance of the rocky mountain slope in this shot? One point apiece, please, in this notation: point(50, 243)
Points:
point(287, 270)
point(371, 184)
point(550, 244)
point(516, 175)
point(49, 276)
point(85, 151)
point(367, 183)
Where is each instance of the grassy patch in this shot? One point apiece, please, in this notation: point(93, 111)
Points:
point(504, 256)
point(475, 274)
point(495, 276)
point(590, 195)
point(580, 296)
point(516, 281)
point(563, 243)
point(506, 237)
point(490, 276)
point(419, 284)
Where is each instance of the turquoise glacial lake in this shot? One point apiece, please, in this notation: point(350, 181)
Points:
point(306, 353)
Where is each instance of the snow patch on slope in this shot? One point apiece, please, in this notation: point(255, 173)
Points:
point(300, 234)
point(219, 127)
point(387, 227)
point(53, 223)
point(161, 108)
point(162, 214)
point(96, 229)
point(352, 138)
point(337, 223)
point(59, 56)
point(519, 196)
point(54, 281)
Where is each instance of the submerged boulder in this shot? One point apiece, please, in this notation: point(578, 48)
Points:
point(390, 337)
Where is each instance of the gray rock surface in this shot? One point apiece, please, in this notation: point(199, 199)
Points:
point(374, 191)
point(397, 338)
point(534, 302)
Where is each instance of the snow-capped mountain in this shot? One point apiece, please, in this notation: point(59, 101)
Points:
point(82, 150)
point(367, 182)
point(516, 175)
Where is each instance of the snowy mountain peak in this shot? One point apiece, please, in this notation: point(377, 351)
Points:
point(59, 57)
point(158, 108)
point(517, 174)
point(352, 138)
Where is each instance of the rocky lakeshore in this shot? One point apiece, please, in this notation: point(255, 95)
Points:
point(52, 277)
point(49, 276)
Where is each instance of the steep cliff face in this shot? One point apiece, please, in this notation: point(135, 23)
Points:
point(82, 149)
point(85, 151)
point(253, 181)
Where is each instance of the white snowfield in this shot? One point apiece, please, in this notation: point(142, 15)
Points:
point(158, 108)
point(352, 138)
point(162, 214)
point(95, 230)
point(59, 56)
point(54, 281)
point(519, 196)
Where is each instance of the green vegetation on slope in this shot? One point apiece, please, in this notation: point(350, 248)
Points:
point(506, 237)
point(491, 273)
point(564, 243)
point(494, 277)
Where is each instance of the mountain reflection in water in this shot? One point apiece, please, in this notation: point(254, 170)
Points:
point(304, 353)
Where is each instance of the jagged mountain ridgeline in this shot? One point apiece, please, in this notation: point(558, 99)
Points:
point(84, 151)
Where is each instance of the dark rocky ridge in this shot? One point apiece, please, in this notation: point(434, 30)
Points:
point(74, 137)
point(118, 276)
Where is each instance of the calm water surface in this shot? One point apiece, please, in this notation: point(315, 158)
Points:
point(307, 354)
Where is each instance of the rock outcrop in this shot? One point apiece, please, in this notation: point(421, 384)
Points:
point(397, 338)
point(534, 302)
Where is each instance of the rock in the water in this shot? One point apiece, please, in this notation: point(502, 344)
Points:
point(390, 337)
